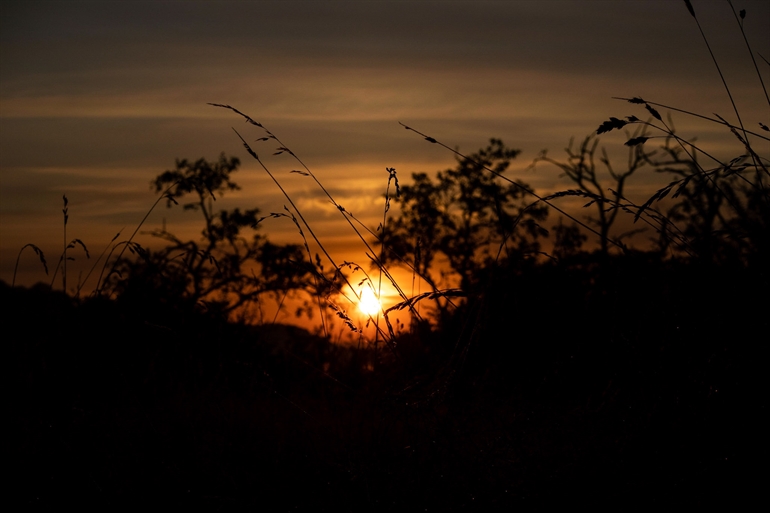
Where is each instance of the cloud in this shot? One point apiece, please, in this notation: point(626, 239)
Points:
point(99, 97)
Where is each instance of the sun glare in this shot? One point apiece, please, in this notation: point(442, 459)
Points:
point(369, 304)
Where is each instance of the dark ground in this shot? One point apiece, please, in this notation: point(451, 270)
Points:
point(639, 384)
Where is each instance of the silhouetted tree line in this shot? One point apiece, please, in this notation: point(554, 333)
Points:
point(231, 269)
point(468, 227)
point(558, 375)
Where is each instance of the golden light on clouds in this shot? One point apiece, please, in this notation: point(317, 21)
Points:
point(90, 110)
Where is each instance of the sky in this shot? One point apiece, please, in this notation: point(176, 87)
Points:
point(98, 98)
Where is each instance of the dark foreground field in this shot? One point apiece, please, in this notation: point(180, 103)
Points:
point(631, 383)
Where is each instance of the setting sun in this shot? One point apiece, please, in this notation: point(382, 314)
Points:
point(369, 304)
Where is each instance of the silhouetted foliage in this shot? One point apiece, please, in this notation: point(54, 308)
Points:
point(467, 216)
point(723, 213)
point(606, 199)
point(568, 240)
point(231, 268)
point(603, 378)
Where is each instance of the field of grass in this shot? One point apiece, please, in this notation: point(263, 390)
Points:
point(548, 356)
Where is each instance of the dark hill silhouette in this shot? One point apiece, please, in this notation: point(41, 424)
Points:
point(572, 381)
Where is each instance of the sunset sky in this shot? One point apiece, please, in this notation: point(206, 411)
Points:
point(97, 98)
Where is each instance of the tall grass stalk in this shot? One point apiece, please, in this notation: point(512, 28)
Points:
point(40, 255)
point(307, 226)
point(307, 172)
point(714, 59)
point(748, 47)
point(371, 253)
point(93, 267)
point(128, 244)
point(391, 177)
point(64, 255)
point(62, 264)
point(527, 190)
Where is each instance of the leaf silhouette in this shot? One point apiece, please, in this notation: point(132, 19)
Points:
point(689, 7)
point(652, 111)
point(610, 125)
point(248, 119)
point(636, 141)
